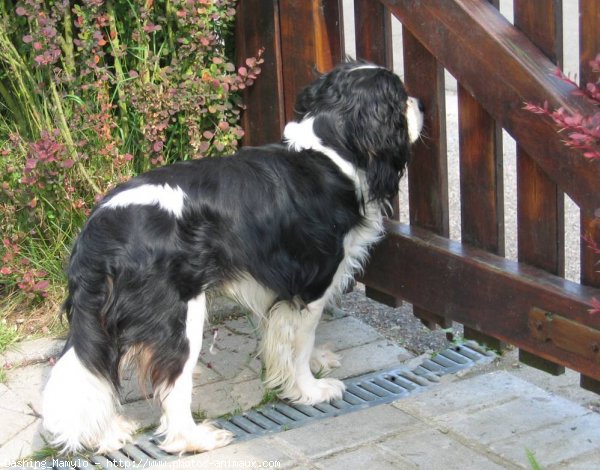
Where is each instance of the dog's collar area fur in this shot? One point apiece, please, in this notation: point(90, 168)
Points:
point(301, 136)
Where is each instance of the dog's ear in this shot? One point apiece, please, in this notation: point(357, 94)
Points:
point(379, 131)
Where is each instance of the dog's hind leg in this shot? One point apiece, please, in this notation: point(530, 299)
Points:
point(80, 408)
point(181, 433)
point(287, 347)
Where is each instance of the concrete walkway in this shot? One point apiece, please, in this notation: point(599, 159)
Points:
point(486, 422)
point(473, 421)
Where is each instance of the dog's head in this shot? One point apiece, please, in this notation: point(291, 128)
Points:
point(363, 112)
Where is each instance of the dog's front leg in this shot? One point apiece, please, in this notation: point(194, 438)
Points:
point(288, 342)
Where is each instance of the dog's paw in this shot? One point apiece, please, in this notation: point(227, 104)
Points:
point(118, 435)
point(323, 360)
point(201, 438)
point(318, 391)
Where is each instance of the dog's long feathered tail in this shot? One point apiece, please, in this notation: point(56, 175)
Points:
point(80, 400)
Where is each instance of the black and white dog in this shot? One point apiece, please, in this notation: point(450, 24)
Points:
point(279, 228)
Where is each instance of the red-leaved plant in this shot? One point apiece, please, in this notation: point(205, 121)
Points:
point(582, 132)
point(92, 93)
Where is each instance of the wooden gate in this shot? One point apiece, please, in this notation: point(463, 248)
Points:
point(498, 66)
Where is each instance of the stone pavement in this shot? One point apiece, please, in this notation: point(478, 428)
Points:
point(486, 422)
point(481, 421)
point(226, 380)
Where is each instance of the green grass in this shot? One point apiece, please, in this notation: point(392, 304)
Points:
point(8, 335)
point(532, 460)
point(45, 453)
point(269, 397)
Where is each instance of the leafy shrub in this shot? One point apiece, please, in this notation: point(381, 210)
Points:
point(93, 92)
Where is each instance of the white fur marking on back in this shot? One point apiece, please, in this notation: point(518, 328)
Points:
point(168, 198)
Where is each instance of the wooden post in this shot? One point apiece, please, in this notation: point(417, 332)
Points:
point(481, 185)
point(428, 170)
point(373, 33)
point(540, 204)
point(589, 45)
point(300, 38)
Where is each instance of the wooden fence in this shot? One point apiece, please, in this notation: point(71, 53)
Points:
point(498, 66)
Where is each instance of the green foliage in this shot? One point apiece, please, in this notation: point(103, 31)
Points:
point(532, 460)
point(93, 92)
point(8, 335)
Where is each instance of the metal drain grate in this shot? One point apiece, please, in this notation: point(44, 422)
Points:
point(361, 392)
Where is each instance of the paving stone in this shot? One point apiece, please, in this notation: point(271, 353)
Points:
point(27, 384)
point(248, 394)
point(345, 333)
point(214, 400)
point(364, 457)
point(144, 413)
point(13, 423)
point(36, 350)
point(584, 462)
point(22, 445)
point(520, 416)
point(554, 444)
point(11, 401)
point(204, 375)
point(351, 430)
point(258, 453)
point(430, 448)
point(234, 353)
point(370, 357)
point(468, 395)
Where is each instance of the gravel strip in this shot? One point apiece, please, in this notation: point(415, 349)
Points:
point(397, 324)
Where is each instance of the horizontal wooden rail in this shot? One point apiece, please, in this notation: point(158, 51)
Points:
point(490, 294)
point(474, 42)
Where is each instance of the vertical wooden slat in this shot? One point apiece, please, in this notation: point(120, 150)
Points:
point(481, 175)
point(428, 170)
point(482, 192)
point(333, 27)
point(300, 37)
point(373, 32)
point(540, 204)
point(265, 116)
point(481, 184)
point(309, 44)
point(589, 44)
point(482, 188)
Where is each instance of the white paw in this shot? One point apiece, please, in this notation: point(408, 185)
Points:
point(117, 436)
point(201, 438)
point(318, 391)
point(323, 359)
